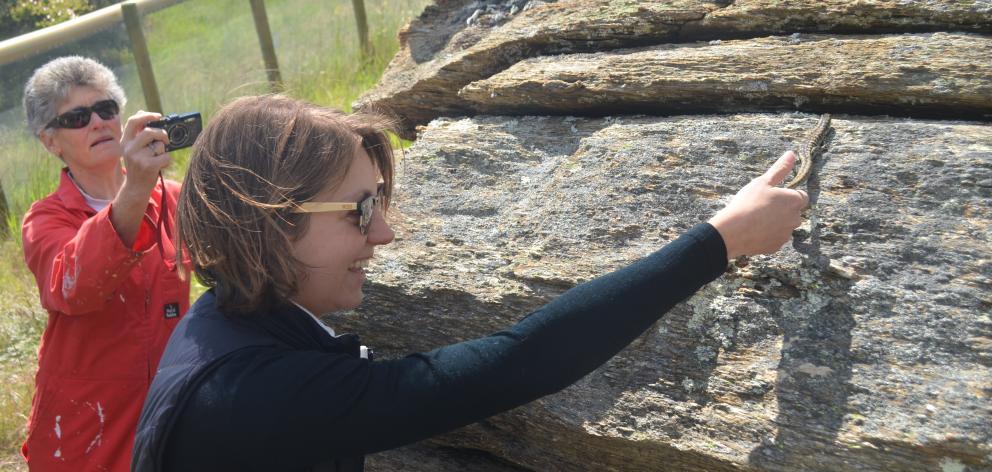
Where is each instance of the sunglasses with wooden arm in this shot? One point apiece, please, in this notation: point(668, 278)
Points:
point(366, 208)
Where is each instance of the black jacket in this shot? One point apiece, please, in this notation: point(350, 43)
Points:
point(276, 392)
point(201, 343)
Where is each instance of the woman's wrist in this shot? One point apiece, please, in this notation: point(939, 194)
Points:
point(723, 223)
point(127, 210)
point(136, 189)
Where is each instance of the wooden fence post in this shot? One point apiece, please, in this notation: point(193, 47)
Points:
point(4, 211)
point(363, 27)
point(141, 58)
point(265, 40)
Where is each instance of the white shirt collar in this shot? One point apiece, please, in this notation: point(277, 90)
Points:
point(96, 204)
point(321, 323)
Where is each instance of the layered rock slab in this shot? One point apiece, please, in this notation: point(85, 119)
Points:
point(865, 343)
point(937, 74)
point(443, 51)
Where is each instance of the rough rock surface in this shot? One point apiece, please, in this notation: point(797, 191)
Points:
point(458, 42)
point(865, 344)
point(937, 74)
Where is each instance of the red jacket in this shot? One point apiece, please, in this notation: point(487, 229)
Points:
point(111, 310)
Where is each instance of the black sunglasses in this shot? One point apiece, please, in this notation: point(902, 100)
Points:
point(80, 117)
point(366, 208)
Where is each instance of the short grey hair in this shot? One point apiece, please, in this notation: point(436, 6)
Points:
point(49, 86)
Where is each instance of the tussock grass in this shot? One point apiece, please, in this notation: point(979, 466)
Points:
point(21, 324)
point(204, 54)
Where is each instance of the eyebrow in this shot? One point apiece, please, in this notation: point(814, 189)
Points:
point(83, 107)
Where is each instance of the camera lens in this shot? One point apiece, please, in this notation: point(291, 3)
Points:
point(178, 135)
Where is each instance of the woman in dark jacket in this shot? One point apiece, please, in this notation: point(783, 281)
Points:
point(282, 209)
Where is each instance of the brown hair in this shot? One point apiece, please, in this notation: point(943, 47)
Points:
point(257, 159)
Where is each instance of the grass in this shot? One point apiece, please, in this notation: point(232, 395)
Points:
point(203, 54)
point(20, 329)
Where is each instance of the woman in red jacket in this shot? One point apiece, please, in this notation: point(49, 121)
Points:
point(100, 251)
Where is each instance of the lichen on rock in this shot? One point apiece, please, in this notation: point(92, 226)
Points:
point(864, 344)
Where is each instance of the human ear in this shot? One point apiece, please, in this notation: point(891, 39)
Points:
point(47, 138)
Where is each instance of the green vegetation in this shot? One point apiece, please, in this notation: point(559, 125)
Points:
point(22, 16)
point(204, 54)
point(18, 17)
point(20, 329)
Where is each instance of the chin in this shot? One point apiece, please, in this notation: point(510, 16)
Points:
point(107, 158)
point(356, 301)
point(347, 304)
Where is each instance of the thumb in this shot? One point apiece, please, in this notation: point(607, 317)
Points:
point(777, 173)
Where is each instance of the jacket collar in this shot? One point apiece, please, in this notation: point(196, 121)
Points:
point(74, 200)
point(295, 328)
point(70, 195)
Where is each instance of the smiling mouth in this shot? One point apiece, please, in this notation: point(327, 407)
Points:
point(359, 265)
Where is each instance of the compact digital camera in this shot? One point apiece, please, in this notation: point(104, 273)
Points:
point(182, 128)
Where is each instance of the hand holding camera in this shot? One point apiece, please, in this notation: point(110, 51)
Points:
point(181, 128)
point(147, 140)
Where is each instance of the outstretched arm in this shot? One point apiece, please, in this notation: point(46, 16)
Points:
point(293, 409)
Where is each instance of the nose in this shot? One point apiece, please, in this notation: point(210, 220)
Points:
point(96, 120)
point(380, 232)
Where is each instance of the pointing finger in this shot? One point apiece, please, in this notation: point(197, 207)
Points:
point(777, 173)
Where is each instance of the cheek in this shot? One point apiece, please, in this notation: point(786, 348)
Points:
point(303, 250)
point(71, 145)
point(322, 247)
